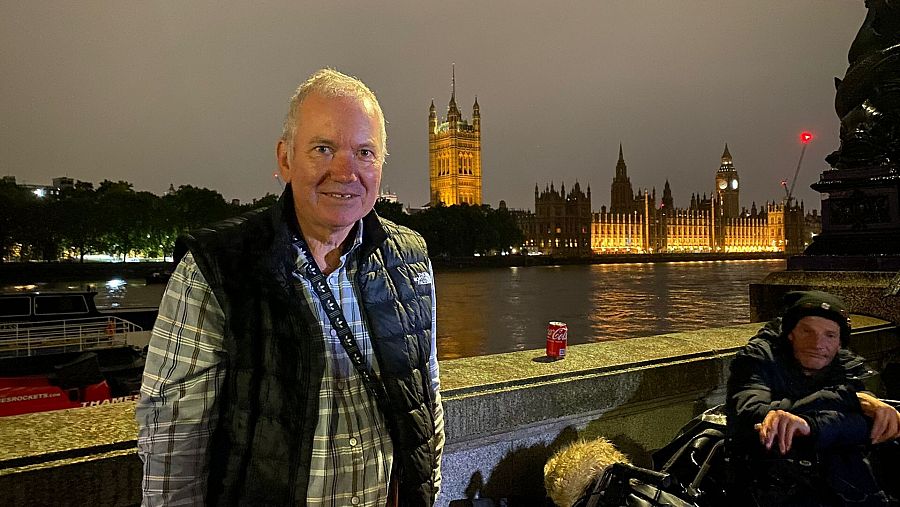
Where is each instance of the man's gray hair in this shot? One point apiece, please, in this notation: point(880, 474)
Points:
point(329, 83)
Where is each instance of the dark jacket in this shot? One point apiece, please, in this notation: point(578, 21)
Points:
point(261, 449)
point(826, 468)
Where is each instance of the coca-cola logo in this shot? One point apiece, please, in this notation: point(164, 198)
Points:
point(559, 334)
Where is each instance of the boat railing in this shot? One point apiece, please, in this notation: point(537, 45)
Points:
point(22, 339)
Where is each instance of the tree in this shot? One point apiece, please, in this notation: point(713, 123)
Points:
point(509, 235)
point(124, 217)
point(392, 211)
point(80, 219)
point(266, 201)
point(463, 230)
point(14, 202)
point(194, 207)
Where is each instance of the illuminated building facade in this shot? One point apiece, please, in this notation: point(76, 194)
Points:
point(638, 223)
point(454, 155)
point(562, 221)
point(713, 224)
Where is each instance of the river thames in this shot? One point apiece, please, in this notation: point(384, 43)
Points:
point(490, 311)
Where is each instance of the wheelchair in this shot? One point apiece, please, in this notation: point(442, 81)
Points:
point(690, 471)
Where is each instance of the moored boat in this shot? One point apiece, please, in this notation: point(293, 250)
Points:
point(57, 350)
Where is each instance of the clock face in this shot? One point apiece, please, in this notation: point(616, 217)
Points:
point(734, 184)
point(722, 184)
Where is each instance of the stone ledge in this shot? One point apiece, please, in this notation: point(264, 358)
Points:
point(865, 292)
point(505, 414)
point(491, 394)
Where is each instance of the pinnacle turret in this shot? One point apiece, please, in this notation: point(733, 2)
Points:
point(452, 109)
point(726, 156)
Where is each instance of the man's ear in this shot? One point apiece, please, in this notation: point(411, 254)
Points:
point(283, 155)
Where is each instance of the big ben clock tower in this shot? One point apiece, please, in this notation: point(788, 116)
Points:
point(728, 186)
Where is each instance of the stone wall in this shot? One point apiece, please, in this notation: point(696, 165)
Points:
point(505, 415)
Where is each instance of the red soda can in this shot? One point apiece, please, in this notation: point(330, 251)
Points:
point(557, 336)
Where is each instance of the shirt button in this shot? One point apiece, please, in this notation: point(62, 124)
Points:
point(354, 500)
point(353, 441)
point(333, 333)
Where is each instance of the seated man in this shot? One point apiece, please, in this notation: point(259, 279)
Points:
point(799, 422)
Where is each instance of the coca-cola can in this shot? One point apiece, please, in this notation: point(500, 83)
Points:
point(557, 336)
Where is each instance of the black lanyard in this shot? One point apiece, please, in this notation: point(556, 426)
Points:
point(339, 322)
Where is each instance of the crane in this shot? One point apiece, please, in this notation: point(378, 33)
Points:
point(805, 138)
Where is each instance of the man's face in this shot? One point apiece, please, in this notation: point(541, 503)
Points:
point(335, 165)
point(815, 340)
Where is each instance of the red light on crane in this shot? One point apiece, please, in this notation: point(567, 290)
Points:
point(805, 137)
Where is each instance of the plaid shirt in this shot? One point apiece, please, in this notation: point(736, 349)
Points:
point(352, 453)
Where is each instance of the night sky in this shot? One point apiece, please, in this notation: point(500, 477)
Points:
point(194, 92)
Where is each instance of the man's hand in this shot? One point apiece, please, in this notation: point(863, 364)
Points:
point(885, 418)
point(783, 426)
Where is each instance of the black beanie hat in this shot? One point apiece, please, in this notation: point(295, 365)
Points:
point(799, 304)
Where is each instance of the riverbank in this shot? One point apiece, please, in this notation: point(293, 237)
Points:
point(41, 272)
point(551, 260)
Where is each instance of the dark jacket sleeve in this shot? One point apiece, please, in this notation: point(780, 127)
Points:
point(757, 385)
point(750, 392)
point(834, 416)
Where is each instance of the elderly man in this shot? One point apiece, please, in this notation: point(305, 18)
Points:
point(293, 361)
point(799, 423)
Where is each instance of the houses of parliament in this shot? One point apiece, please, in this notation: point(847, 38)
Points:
point(563, 223)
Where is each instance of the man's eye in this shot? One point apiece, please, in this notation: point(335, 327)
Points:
point(366, 154)
point(322, 149)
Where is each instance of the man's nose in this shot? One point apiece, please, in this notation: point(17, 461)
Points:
point(343, 167)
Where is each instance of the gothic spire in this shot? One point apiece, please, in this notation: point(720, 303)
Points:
point(453, 85)
point(621, 169)
point(452, 110)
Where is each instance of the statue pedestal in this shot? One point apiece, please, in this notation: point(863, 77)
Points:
point(857, 256)
point(860, 213)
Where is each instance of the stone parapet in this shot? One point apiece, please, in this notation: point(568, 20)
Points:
point(873, 293)
point(505, 415)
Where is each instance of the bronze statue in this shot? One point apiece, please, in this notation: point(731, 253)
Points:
point(868, 98)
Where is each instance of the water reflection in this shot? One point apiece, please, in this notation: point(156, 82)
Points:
point(111, 293)
point(116, 291)
point(488, 311)
point(501, 310)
